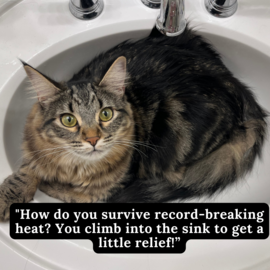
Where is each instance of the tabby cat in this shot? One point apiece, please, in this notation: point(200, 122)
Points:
point(147, 121)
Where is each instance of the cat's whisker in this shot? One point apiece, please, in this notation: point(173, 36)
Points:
point(56, 156)
point(61, 155)
point(137, 143)
point(39, 151)
point(143, 144)
point(114, 147)
point(139, 151)
point(132, 146)
point(33, 162)
point(148, 143)
point(54, 152)
point(47, 149)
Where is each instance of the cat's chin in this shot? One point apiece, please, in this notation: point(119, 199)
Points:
point(93, 155)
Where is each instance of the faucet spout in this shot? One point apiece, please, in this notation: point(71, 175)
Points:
point(171, 21)
point(86, 9)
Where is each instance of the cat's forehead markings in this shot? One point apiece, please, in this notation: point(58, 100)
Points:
point(92, 97)
point(75, 94)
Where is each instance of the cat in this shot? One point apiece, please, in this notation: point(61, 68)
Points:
point(154, 120)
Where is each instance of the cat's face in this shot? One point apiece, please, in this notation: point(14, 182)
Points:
point(84, 120)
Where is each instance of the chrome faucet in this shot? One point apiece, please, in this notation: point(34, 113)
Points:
point(86, 9)
point(171, 21)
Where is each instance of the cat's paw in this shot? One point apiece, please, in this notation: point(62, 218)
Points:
point(4, 209)
point(16, 188)
point(9, 193)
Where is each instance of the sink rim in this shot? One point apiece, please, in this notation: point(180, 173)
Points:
point(15, 78)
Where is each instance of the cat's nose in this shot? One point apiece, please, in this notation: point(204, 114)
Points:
point(92, 140)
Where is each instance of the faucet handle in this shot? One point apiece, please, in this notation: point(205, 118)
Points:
point(86, 9)
point(152, 3)
point(221, 8)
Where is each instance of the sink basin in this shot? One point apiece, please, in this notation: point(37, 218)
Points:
point(244, 44)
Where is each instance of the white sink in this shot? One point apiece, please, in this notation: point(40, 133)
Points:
point(44, 34)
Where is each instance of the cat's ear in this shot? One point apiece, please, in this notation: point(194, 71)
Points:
point(114, 79)
point(43, 86)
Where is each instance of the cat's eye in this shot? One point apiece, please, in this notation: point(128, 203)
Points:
point(68, 120)
point(106, 114)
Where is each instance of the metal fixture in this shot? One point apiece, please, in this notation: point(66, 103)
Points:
point(171, 21)
point(152, 3)
point(221, 8)
point(86, 9)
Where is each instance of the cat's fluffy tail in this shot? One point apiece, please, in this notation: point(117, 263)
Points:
point(230, 162)
point(206, 176)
